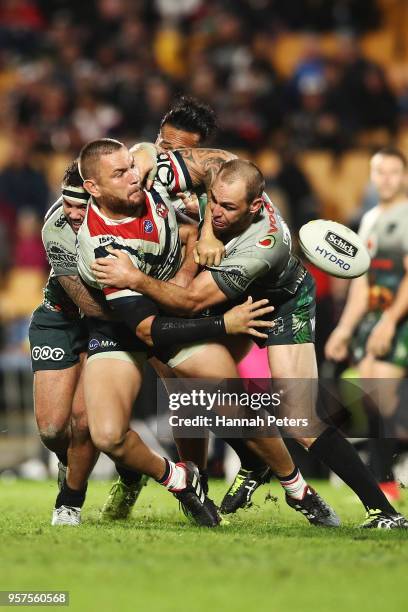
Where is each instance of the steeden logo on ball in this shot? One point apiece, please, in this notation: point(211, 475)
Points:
point(340, 245)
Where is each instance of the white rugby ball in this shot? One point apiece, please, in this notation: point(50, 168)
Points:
point(334, 248)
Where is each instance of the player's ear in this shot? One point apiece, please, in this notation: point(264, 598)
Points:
point(255, 205)
point(92, 188)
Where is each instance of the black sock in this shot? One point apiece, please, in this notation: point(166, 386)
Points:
point(340, 456)
point(204, 481)
point(63, 457)
point(381, 458)
point(129, 477)
point(381, 445)
point(70, 497)
point(249, 459)
point(166, 472)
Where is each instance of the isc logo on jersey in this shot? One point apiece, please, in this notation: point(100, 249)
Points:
point(334, 248)
point(46, 352)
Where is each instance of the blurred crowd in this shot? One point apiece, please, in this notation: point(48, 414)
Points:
point(72, 71)
point(77, 70)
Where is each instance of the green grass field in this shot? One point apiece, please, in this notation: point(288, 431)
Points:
point(268, 558)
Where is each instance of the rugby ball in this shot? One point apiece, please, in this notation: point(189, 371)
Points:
point(334, 248)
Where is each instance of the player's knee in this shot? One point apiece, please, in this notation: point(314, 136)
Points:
point(52, 434)
point(108, 440)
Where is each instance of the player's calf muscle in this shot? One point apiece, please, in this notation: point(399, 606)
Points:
point(274, 452)
point(79, 417)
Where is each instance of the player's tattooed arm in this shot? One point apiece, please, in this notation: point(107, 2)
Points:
point(204, 164)
point(84, 297)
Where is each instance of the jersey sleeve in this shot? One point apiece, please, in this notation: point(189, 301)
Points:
point(235, 274)
point(59, 244)
point(366, 224)
point(172, 172)
point(404, 244)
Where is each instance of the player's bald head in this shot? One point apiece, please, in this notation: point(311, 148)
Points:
point(91, 154)
point(243, 170)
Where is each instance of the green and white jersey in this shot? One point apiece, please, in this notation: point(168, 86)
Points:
point(259, 262)
point(384, 231)
point(59, 241)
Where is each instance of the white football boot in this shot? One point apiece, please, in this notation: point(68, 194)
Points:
point(66, 515)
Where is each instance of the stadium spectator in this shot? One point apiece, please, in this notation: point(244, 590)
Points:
point(23, 284)
point(21, 23)
point(92, 117)
point(28, 248)
point(354, 70)
point(221, 52)
point(21, 184)
point(314, 125)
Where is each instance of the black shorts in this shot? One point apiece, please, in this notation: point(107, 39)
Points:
point(110, 336)
point(56, 341)
point(294, 319)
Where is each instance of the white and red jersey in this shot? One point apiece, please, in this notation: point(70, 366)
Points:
point(151, 241)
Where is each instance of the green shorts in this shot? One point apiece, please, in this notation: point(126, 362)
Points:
point(56, 342)
point(294, 319)
point(398, 354)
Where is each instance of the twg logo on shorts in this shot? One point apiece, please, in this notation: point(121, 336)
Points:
point(341, 245)
point(45, 353)
point(94, 344)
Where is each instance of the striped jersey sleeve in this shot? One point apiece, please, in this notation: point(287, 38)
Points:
point(172, 172)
